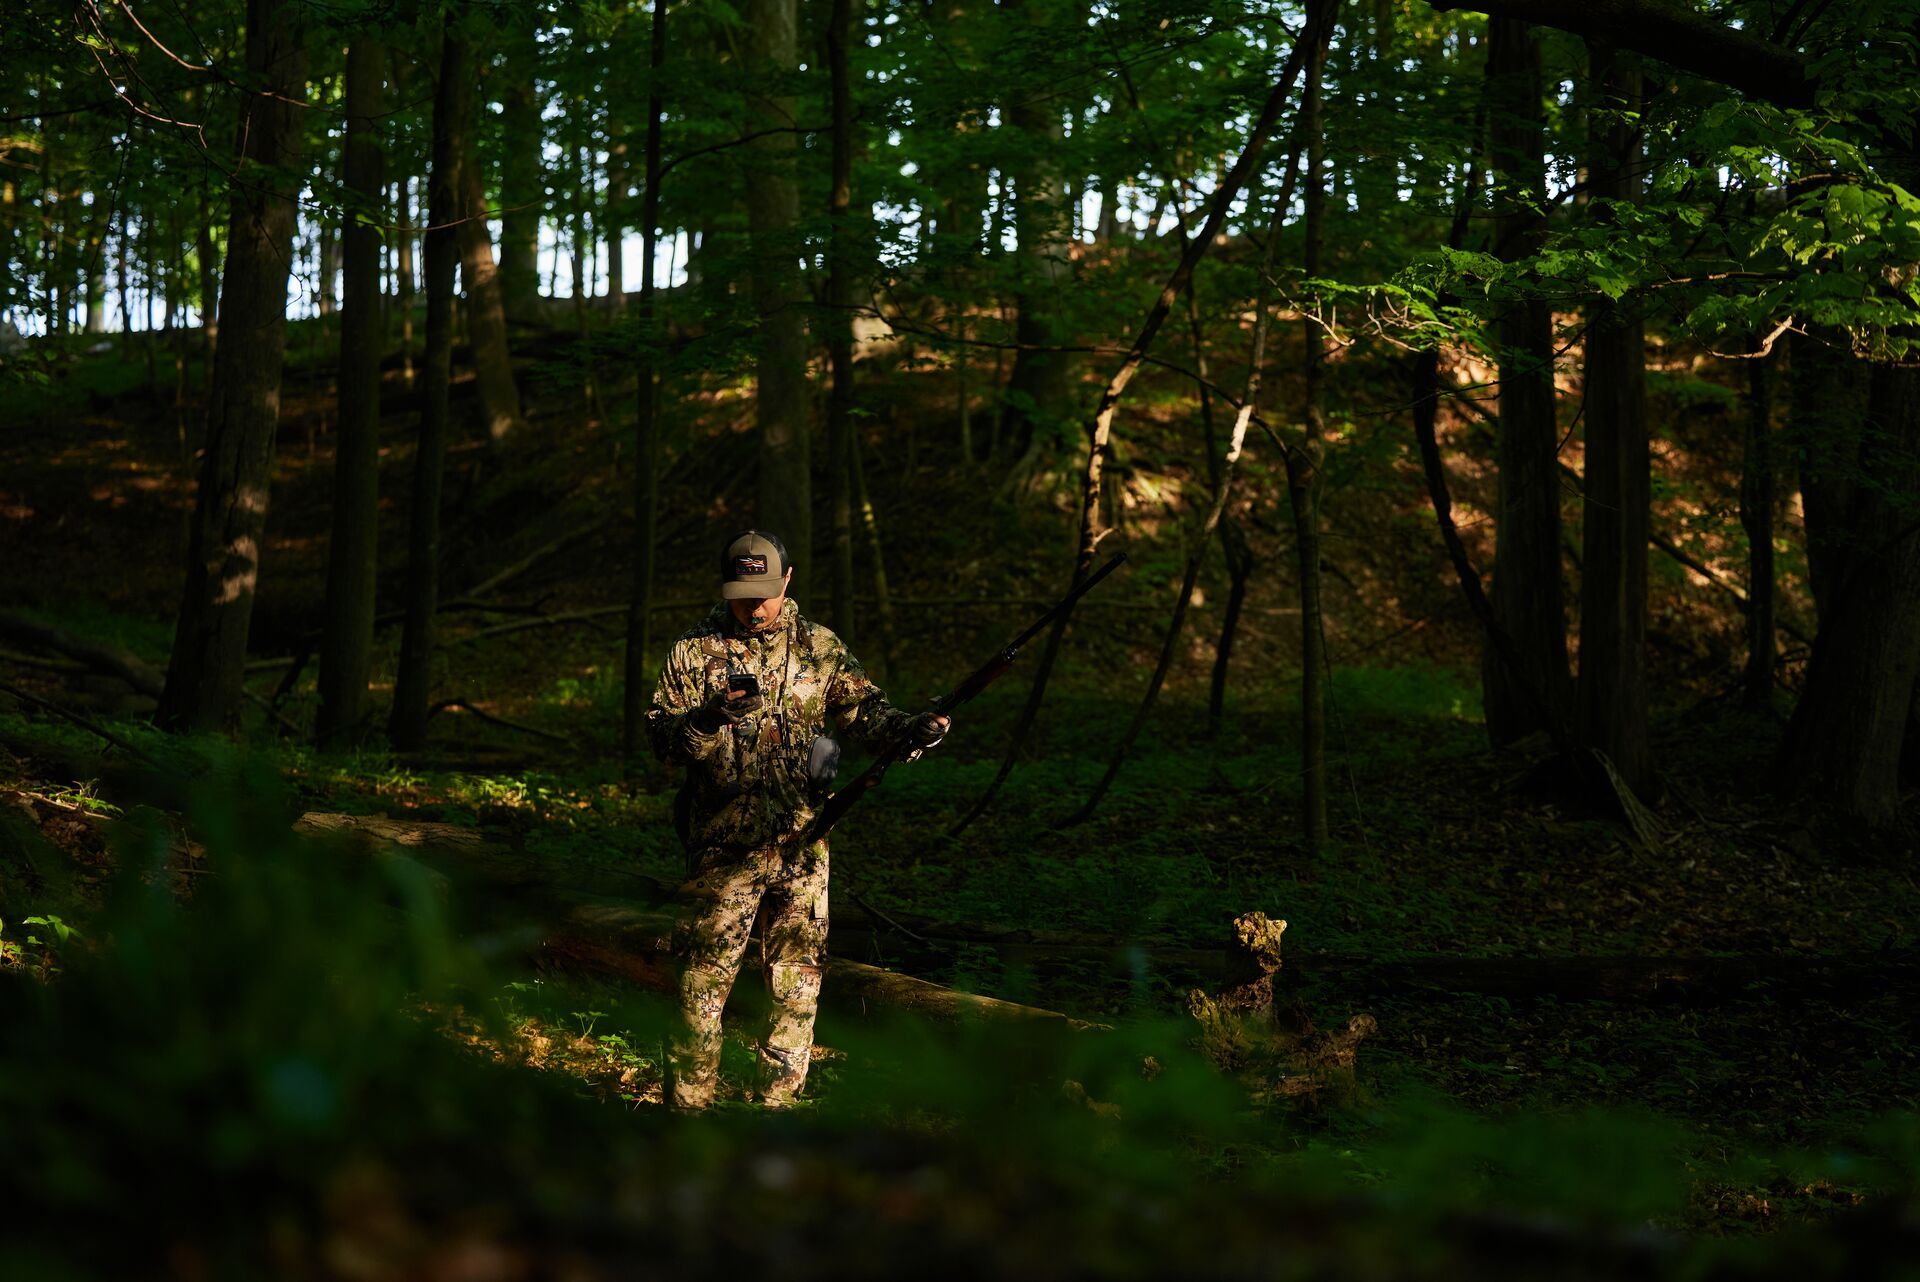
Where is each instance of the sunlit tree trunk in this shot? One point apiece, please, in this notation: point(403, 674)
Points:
point(1527, 595)
point(486, 317)
point(785, 489)
point(452, 110)
point(94, 265)
point(205, 673)
point(346, 641)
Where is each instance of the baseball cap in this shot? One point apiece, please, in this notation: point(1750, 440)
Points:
point(754, 565)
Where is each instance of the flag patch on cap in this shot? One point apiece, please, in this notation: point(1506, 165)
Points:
point(746, 565)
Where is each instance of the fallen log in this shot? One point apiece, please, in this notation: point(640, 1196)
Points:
point(628, 940)
point(100, 656)
point(911, 936)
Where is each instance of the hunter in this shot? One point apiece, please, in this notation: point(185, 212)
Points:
point(747, 703)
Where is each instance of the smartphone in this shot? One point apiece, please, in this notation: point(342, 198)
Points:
point(742, 685)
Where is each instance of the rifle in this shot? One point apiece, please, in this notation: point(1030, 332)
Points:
point(836, 806)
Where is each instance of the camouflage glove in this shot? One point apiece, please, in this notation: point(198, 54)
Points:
point(928, 728)
point(720, 710)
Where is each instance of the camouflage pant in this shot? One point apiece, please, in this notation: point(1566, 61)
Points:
point(728, 892)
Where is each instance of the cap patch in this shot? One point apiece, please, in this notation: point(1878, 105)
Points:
point(748, 565)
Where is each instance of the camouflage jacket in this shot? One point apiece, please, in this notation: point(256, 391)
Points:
point(747, 783)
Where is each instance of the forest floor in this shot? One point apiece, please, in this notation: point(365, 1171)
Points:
point(1781, 1098)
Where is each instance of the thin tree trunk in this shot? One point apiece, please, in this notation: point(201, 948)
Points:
point(1756, 518)
point(94, 268)
point(1239, 556)
point(1101, 428)
point(1527, 593)
point(785, 487)
point(207, 667)
point(346, 641)
point(486, 316)
point(1612, 689)
point(323, 271)
point(209, 257)
point(406, 290)
point(1303, 464)
point(876, 554)
point(619, 175)
point(646, 463)
point(452, 109)
point(839, 318)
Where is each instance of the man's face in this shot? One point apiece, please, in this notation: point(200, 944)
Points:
point(757, 614)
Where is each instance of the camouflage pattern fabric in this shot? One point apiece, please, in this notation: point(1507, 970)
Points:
point(747, 783)
point(727, 892)
point(746, 789)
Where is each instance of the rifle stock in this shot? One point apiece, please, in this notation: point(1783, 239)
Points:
point(835, 807)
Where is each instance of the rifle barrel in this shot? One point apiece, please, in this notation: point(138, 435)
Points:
point(837, 804)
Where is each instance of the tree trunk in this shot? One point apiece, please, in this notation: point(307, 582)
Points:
point(1845, 739)
point(406, 268)
point(205, 672)
point(486, 316)
point(876, 555)
point(522, 185)
point(839, 318)
point(1829, 406)
point(1039, 389)
point(646, 464)
point(1527, 594)
point(323, 275)
point(1612, 690)
point(353, 554)
point(614, 223)
point(209, 258)
point(785, 489)
point(94, 266)
point(1233, 541)
point(1756, 518)
point(1303, 465)
point(452, 109)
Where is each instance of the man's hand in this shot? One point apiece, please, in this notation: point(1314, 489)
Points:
point(724, 708)
point(929, 728)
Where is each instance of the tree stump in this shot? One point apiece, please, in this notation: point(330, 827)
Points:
point(1253, 958)
point(1279, 1054)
